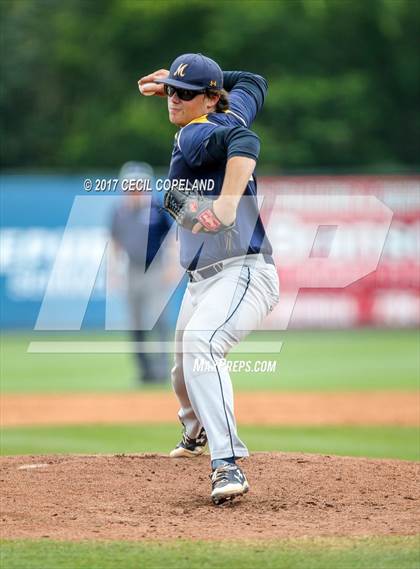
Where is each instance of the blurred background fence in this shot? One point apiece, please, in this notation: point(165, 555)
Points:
point(36, 210)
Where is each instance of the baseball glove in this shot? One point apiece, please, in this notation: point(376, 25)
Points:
point(190, 207)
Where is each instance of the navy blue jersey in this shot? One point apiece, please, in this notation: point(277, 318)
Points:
point(193, 159)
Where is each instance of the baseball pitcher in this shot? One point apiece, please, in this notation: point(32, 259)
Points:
point(233, 282)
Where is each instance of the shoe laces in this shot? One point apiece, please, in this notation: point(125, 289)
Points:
point(186, 440)
point(200, 440)
point(221, 474)
point(202, 437)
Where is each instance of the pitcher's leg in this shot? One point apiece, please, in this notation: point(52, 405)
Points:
point(233, 305)
point(186, 413)
point(223, 318)
point(211, 396)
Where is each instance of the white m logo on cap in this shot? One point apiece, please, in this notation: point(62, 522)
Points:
point(180, 72)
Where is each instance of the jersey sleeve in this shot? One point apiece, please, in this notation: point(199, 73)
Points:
point(226, 142)
point(247, 92)
point(218, 145)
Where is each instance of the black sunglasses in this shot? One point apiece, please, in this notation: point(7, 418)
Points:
point(183, 94)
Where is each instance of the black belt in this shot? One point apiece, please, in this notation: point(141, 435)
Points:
point(217, 267)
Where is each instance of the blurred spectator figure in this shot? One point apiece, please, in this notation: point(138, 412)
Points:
point(132, 222)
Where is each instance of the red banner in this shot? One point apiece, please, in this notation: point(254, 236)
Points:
point(346, 249)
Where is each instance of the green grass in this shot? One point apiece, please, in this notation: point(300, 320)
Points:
point(378, 442)
point(309, 361)
point(321, 553)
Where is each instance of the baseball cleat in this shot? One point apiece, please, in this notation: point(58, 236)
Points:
point(189, 447)
point(228, 482)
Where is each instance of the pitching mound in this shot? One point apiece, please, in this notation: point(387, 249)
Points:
point(131, 497)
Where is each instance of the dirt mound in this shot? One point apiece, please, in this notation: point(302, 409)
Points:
point(131, 497)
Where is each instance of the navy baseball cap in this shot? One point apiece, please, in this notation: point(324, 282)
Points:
point(194, 71)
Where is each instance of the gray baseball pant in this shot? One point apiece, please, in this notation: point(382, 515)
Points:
point(216, 314)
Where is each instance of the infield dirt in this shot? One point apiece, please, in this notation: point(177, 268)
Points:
point(132, 497)
point(254, 408)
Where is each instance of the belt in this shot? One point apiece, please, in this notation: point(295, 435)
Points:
point(212, 270)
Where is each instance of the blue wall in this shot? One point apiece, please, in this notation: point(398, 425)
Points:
point(33, 215)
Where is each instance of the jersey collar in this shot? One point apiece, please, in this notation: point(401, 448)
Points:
point(201, 119)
